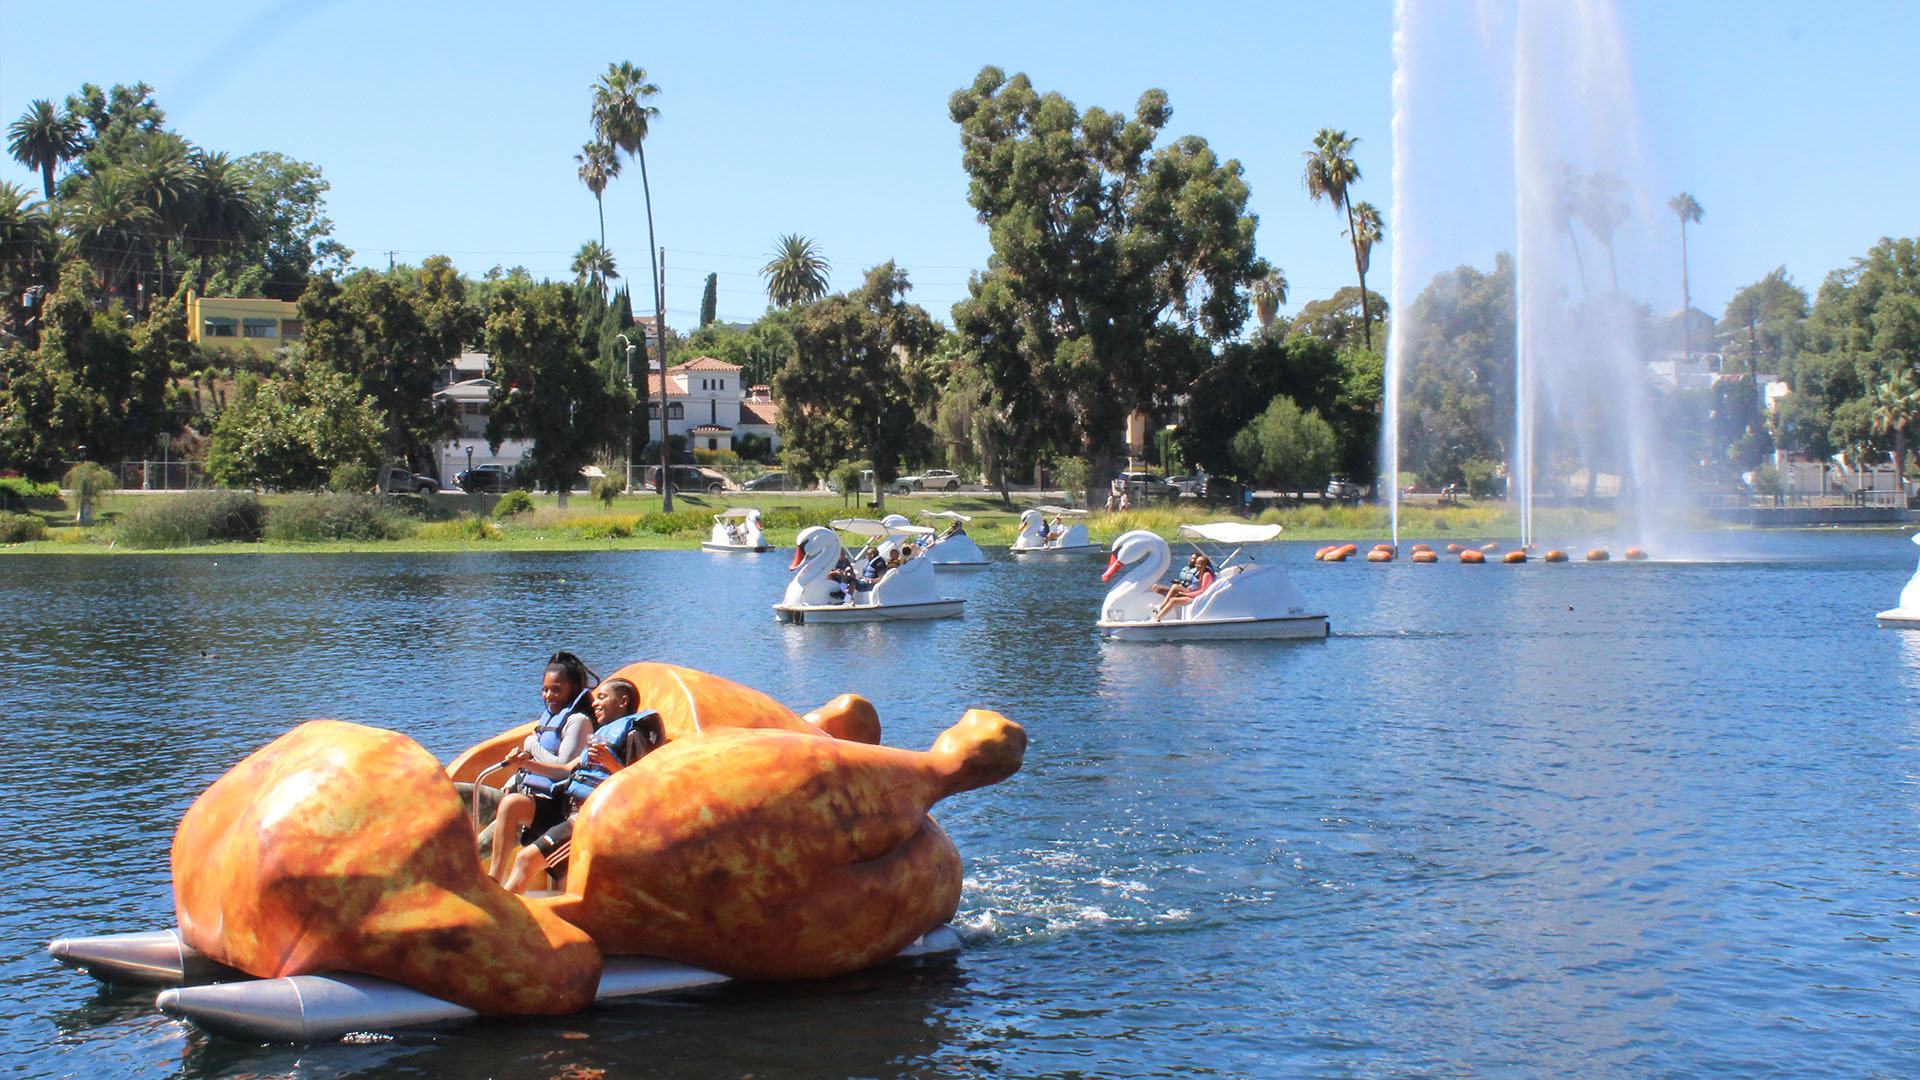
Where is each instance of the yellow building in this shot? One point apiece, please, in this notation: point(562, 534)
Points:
point(235, 323)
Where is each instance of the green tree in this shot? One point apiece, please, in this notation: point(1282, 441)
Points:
point(1896, 404)
point(1686, 208)
point(26, 238)
point(88, 481)
point(599, 166)
point(1335, 319)
point(44, 137)
point(112, 121)
point(1232, 391)
point(292, 433)
point(1765, 322)
point(710, 301)
point(162, 175)
point(548, 388)
point(1117, 267)
point(295, 236)
point(1330, 174)
point(1456, 406)
point(797, 273)
point(842, 394)
point(1864, 327)
point(1286, 448)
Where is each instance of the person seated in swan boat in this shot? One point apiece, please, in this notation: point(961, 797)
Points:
point(1178, 594)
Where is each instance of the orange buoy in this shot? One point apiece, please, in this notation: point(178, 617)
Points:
point(1423, 547)
point(1514, 557)
point(1349, 549)
point(1471, 556)
point(1336, 555)
point(1491, 545)
point(1598, 555)
point(1379, 555)
point(1556, 556)
point(1322, 553)
point(1454, 549)
point(1425, 555)
point(1635, 555)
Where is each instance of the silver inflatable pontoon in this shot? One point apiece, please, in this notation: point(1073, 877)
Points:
point(317, 1008)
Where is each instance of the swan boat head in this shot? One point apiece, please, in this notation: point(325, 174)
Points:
point(1144, 558)
point(815, 551)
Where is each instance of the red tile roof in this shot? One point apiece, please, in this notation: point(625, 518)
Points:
point(704, 363)
point(759, 412)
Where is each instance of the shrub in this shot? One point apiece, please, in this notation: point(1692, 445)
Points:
point(513, 502)
point(464, 527)
point(19, 487)
point(88, 482)
point(335, 517)
point(715, 457)
point(350, 476)
point(21, 528)
point(193, 518)
point(605, 528)
point(605, 488)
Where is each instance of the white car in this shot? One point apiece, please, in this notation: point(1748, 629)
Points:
point(931, 480)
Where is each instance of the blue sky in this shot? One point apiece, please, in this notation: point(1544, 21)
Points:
point(452, 128)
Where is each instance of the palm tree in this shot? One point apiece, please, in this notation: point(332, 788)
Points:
point(1269, 295)
point(1896, 404)
point(1367, 231)
point(621, 116)
point(1330, 172)
point(1602, 209)
point(1686, 209)
point(225, 210)
point(24, 228)
point(798, 272)
point(593, 267)
point(1567, 207)
point(599, 166)
point(105, 218)
point(44, 137)
point(161, 172)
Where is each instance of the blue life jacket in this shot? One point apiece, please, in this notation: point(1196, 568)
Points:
point(614, 735)
point(548, 730)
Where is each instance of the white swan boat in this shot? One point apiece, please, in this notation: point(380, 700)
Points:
point(1908, 613)
point(907, 591)
point(736, 529)
point(1246, 600)
point(954, 549)
point(1072, 539)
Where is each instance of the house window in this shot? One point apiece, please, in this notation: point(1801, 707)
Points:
point(221, 328)
point(653, 410)
point(259, 328)
point(473, 408)
point(713, 444)
point(291, 329)
point(676, 411)
point(719, 384)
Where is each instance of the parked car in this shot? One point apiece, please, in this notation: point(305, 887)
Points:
point(773, 481)
point(866, 482)
point(931, 480)
point(1145, 485)
point(395, 478)
point(1343, 489)
point(486, 478)
point(1186, 485)
point(690, 478)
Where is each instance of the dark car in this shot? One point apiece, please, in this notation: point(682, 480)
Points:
point(485, 478)
point(399, 479)
point(773, 481)
point(690, 478)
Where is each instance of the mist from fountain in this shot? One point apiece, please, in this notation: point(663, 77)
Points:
point(1585, 231)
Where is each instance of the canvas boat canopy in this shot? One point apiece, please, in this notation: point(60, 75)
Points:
point(952, 516)
point(733, 512)
point(1230, 532)
point(870, 527)
point(1060, 510)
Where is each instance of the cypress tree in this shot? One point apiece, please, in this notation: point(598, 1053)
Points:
point(710, 301)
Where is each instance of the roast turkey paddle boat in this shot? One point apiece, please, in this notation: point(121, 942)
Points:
point(1245, 600)
point(1035, 538)
point(736, 529)
point(330, 882)
point(953, 549)
point(907, 591)
point(1908, 613)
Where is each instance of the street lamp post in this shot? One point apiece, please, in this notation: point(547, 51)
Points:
point(633, 430)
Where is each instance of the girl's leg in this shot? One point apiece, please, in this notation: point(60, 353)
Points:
point(529, 865)
point(516, 810)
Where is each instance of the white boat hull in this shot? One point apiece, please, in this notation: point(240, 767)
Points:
point(1074, 549)
point(738, 549)
point(981, 564)
point(799, 614)
point(1286, 627)
point(316, 1008)
point(1900, 617)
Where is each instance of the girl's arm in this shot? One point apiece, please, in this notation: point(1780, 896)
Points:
point(573, 740)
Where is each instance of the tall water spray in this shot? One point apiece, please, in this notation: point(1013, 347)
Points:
point(1585, 236)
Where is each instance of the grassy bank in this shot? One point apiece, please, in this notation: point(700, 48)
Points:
point(449, 523)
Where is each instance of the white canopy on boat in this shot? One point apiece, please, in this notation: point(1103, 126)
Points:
point(1060, 510)
point(733, 512)
point(1230, 532)
point(949, 514)
point(870, 527)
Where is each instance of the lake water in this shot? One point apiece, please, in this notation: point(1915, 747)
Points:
point(1624, 820)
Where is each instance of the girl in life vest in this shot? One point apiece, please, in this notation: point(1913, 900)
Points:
point(625, 734)
point(546, 758)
